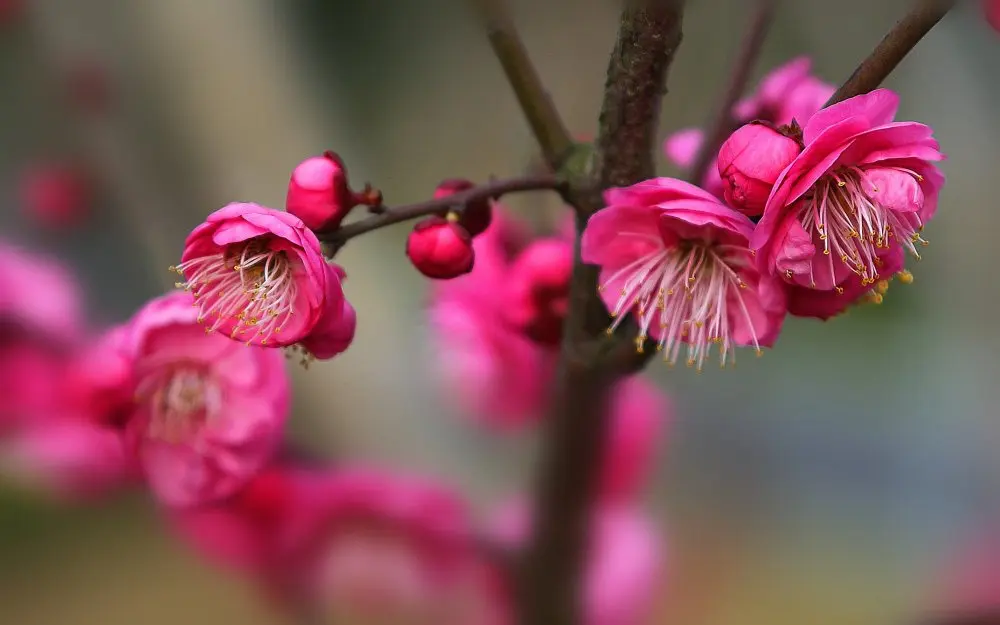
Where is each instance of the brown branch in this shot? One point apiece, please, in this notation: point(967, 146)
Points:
point(893, 48)
point(550, 573)
point(723, 124)
point(546, 124)
point(389, 216)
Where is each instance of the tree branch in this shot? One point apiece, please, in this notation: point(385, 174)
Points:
point(389, 216)
point(893, 48)
point(544, 119)
point(550, 573)
point(723, 124)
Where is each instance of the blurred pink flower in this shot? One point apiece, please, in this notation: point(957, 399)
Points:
point(259, 276)
point(38, 293)
point(55, 195)
point(493, 371)
point(639, 412)
point(67, 457)
point(749, 163)
point(682, 149)
point(677, 258)
point(537, 290)
point(788, 92)
point(863, 188)
point(991, 9)
point(209, 413)
point(626, 567)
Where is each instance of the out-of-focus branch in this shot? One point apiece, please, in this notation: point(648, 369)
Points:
point(546, 124)
point(389, 216)
point(550, 570)
point(893, 48)
point(723, 124)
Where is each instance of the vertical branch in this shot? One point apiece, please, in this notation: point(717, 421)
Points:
point(893, 48)
point(541, 113)
point(550, 574)
point(723, 123)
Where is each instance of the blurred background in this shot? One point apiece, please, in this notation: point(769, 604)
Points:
point(830, 482)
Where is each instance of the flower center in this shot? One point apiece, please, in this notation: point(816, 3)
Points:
point(248, 284)
point(180, 401)
point(689, 294)
point(844, 213)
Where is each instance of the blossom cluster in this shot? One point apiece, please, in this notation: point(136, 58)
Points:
point(809, 211)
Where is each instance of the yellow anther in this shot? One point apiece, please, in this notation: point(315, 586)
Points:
point(905, 277)
point(882, 286)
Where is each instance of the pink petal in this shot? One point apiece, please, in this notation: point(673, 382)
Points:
point(875, 108)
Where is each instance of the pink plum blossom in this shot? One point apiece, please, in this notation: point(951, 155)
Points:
point(749, 163)
point(319, 193)
point(639, 412)
point(626, 567)
point(677, 258)
point(259, 276)
point(38, 293)
point(788, 92)
point(682, 149)
point(538, 289)
point(371, 544)
point(208, 413)
point(861, 190)
point(495, 373)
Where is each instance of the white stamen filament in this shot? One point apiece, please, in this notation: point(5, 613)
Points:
point(248, 283)
point(687, 291)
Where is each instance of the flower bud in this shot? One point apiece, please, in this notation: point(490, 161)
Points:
point(55, 196)
point(319, 193)
point(440, 248)
point(538, 290)
point(750, 162)
point(475, 217)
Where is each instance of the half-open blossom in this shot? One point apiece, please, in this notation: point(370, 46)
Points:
point(639, 412)
point(55, 195)
point(258, 275)
point(863, 187)
point(440, 248)
point(374, 545)
point(625, 570)
point(208, 412)
point(537, 290)
point(677, 258)
point(489, 368)
point(788, 92)
point(750, 161)
point(475, 216)
point(319, 193)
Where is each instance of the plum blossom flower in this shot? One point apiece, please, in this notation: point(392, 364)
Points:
point(259, 276)
point(677, 258)
point(626, 566)
point(320, 194)
point(494, 372)
point(639, 412)
point(861, 190)
point(538, 289)
point(208, 413)
point(789, 92)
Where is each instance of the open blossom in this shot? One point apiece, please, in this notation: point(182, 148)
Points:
point(497, 374)
point(677, 258)
point(626, 567)
point(788, 92)
point(370, 544)
point(259, 276)
point(208, 413)
point(859, 193)
point(639, 412)
point(538, 289)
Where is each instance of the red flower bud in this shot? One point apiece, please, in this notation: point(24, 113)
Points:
point(476, 216)
point(319, 193)
point(750, 162)
point(538, 290)
point(56, 196)
point(440, 248)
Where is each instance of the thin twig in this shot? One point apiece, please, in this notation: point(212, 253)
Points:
point(550, 572)
point(724, 123)
point(389, 216)
point(893, 48)
point(546, 124)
